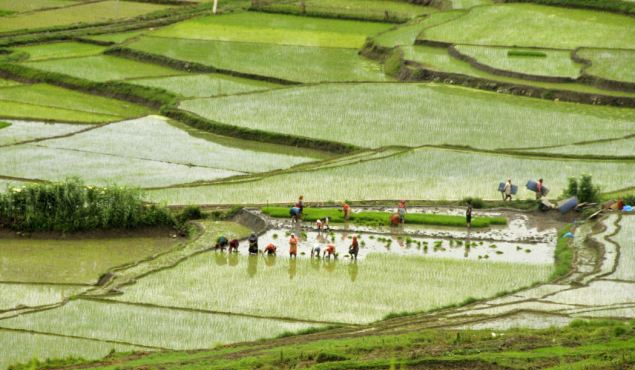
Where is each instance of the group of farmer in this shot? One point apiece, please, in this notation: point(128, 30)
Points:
point(508, 189)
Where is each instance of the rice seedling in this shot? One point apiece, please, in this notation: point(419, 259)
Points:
point(275, 29)
point(603, 292)
point(25, 111)
point(147, 138)
point(14, 295)
point(555, 63)
point(426, 114)
point(288, 62)
point(22, 347)
point(157, 327)
point(327, 290)
point(19, 131)
point(536, 25)
point(56, 97)
point(85, 259)
point(85, 13)
point(102, 68)
point(60, 50)
point(610, 64)
point(407, 34)
point(205, 85)
point(25, 6)
point(626, 240)
point(99, 169)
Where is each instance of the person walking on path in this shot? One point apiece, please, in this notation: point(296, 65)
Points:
point(507, 191)
point(468, 215)
point(401, 209)
point(293, 246)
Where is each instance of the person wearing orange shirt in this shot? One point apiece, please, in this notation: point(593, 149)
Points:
point(293, 246)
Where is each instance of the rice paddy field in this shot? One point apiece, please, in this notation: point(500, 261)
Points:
point(220, 121)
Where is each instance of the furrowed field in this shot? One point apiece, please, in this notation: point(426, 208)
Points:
point(134, 134)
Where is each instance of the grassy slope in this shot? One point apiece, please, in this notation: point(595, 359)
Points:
point(36, 112)
point(336, 215)
point(618, 65)
point(60, 50)
point(407, 34)
point(25, 6)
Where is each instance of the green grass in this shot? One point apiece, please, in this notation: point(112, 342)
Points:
point(420, 174)
point(8, 83)
point(467, 4)
point(25, 6)
point(22, 347)
point(383, 218)
point(96, 12)
point(617, 65)
point(116, 37)
point(9, 109)
point(421, 114)
point(85, 259)
point(536, 25)
point(205, 85)
point(333, 291)
point(563, 255)
point(357, 9)
point(294, 63)
point(32, 295)
point(103, 68)
point(60, 50)
point(147, 326)
point(276, 29)
point(148, 138)
point(407, 34)
point(25, 130)
point(555, 63)
point(438, 59)
point(56, 97)
point(4, 124)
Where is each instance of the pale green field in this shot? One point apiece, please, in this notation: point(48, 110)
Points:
point(557, 63)
point(294, 63)
point(337, 291)
point(626, 240)
point(103, 68)
point(275, 28)
point(407, 34)
point(9, 110)
point(84, 259)
point(418, 174)
point(466, 4)
point(622, 147)
point(618, 65)
point(57, 97)
point(22, 347)
point(156, 327)
point(416, 114)
point(20, 131)
point(30, 5)
point(116, 37)
point(8, 83)
point(536, 25)
point(99, 169)
point(60, 50)
point(32, 295)
point(205, 85)
point(149, 137)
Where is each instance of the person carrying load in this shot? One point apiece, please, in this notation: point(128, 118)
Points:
point(253, 244)
point(538, 187)
point(507, 191)
point(353, 250)
point(293, 246)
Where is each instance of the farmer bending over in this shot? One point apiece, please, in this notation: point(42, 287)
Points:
point(347, 211)
point(253, 244)
point(270, 249)
point(221, 243)
point(233, 246)
point(353, 250)
point(329, 251)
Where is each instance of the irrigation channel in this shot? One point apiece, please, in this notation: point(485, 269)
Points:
point(177, 286)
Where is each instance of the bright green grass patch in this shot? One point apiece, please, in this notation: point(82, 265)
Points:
point(554, 63)
point(418, 174)
point(4, 124)
point(205, 85)
point(60, 50)
point(438, 59)
point(618, 65)
point(85, 259)
point(336, 215)
point(25, 6)
point(536, 25)
point(563, 254)
point(22, 347)
point(8, 83)
point(614, 148)
point(96, 12)
point(9, 109)
point(148, 138)
point(147, 326)
point(295, 63)
point(334, 291)
point(32, 295)
point(57, 97)
point(116, 37)
point(103, 68)
point(407, 34)
point(100, 169)
point(275, 28)
point(20, 131)
point(377, 10)
point(426, 114)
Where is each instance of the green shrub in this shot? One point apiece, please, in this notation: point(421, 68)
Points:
point(190, 213)
point(71, 206)
point(582, 188)
point(476, 202)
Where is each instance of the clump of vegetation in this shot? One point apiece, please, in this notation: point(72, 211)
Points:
point(583, 189)
point(72, 206)
point(563, 254)
point(476, 202)
point(190, 213)
point(4, 124)
point(526, 53)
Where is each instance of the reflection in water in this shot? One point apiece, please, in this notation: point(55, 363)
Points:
point(270, 260)
point(220, 258)
point(293, 267)
point(353, 270)
point(316, 263)
point(468, 243)
point(252, 265)
point(329, 265)
point(233, 259)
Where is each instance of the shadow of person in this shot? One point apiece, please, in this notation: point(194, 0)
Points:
point(353, 270)
point(252, 265)
point(293, 268)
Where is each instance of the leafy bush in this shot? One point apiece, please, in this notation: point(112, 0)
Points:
point(71, 206)
point(190, 213)
point(582, 188)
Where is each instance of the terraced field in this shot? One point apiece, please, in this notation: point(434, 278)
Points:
point(610, 64)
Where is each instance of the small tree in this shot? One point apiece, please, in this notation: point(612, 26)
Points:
point(582, 188)
point(572, 188)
